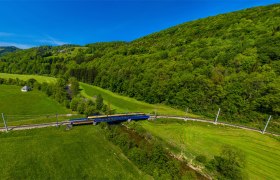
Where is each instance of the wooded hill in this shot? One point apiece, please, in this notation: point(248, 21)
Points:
point(230, 61)
point(6, 49)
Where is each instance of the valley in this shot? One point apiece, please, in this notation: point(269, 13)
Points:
point(186, 102)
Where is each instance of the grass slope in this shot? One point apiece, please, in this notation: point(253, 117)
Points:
point(15, 102)
point(25, 77)
point(125, 104)
point(193, 138)
point(53, 153)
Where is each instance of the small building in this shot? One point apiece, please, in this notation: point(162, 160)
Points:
point(25, 88)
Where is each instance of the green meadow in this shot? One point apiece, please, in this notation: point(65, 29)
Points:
point(28, 107)
point(195, 138)
point(56, 153)
point(124, 104)
point(15, 102)
point(25, 77)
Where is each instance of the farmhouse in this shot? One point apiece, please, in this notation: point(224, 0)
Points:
point(25, 88)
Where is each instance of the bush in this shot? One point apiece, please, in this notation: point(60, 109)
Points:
point(90, 110)
point(189, 175)
point(201, 158)
point(229, 164)
point(74, 103)
point(81, 108)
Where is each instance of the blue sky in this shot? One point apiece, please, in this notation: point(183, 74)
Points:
point(26, 23)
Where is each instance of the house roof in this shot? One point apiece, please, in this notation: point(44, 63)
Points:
point(25, 88)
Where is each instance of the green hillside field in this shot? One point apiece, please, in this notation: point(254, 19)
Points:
point(124, 104)
point(27, 107)
point(25, 77)
point(194, 138)
point(15, 102)
point(53, 153)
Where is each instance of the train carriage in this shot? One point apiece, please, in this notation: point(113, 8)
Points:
point(109, 118)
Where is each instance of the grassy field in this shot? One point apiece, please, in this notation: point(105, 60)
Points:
point(194, 138)
point(31, 107)
point(25, 77)
point(15, 102)
point(55, 153)
point(125, 104)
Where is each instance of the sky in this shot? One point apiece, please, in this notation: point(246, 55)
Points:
point(29, 23)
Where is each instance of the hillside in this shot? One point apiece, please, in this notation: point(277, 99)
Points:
point(230, 61)
point(6, 49)
point(54, 153)
point(15, 102)
point(191, 139)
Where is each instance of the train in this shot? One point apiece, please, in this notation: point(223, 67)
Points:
point(115, 118)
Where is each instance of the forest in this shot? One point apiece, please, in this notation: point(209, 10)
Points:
point(230, 61)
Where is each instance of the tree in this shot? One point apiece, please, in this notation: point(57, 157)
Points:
point(81, 108)
point(74, 103)
point(74, 86)
point(99, 102)
point(90, 110)
point(59, 92)
point(229, 164)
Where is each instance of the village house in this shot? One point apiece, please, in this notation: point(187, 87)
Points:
point(25, 88)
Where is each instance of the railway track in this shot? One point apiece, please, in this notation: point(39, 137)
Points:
point(218, 123)
point(32, 126)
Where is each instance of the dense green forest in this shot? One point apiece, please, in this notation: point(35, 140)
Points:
point(230, 61)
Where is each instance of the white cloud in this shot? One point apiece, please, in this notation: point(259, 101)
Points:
point(52, 41)
point(28, 41)
point(18, 45)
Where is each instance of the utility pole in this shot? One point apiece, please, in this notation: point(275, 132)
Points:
point(216, 120)
point(4, 122)
point(266, 124)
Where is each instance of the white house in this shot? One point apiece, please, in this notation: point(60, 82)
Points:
point(25, 88)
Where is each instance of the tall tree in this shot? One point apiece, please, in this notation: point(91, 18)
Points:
point(74, 86)
point(99, 102)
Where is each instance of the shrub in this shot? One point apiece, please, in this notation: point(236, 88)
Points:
point(229, 164)
point(81, 107)
point(201, 158)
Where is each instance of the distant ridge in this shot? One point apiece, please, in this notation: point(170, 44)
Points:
point(7, 49)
